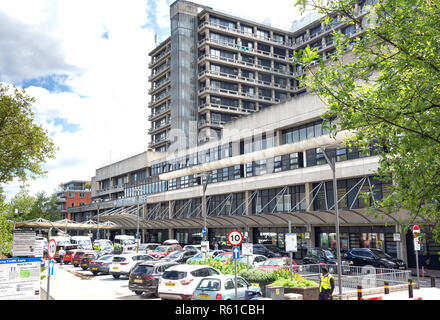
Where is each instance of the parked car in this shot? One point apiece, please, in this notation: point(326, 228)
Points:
point(170, 241)
point(123, 263)
point(66, 248)
point(144, 277)
point(148, 247)
point(180, 256)
point(224, 257)
point(199, 256)
point(272, 264)
point(69, 255)
point(179, 282)
point(105, 246)
point(255, 260)
point(164, 250)
point(101, 265)
point(193, 247)
point(222, 287)
point(373, 257)
point(76, 258)
point(319, 256)
point(265, 251)
point(88, 258)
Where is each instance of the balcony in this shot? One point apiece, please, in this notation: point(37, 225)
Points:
point(159, 127)
point(161, 112)
point(159, 58)
point(158, 73)
point(158, 142)
point(225, 109)
point(159, 86)
point(211, 123)
point(156, 101)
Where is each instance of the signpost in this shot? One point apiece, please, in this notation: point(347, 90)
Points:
point(416, 234)
point(51, 250)
point(23, 243)
point(235, 238)
point(291, 246)
point(20, 278)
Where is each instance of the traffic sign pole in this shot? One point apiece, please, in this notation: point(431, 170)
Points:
point(51, 250)
point(416, 233)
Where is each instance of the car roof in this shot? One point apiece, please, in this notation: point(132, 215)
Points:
point(189, 267)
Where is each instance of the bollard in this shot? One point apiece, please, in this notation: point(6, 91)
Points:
point(410, 289)
point(359, 290)
point(432, 282)
point(387, 287)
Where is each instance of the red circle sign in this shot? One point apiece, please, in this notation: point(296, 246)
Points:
point(416, 231)
point(235, 238)
point(51, 249)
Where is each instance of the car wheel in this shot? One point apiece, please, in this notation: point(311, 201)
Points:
point(116, 276)
point(84, 268)
point(75, 265)
point(95, 273)
point(138, 293)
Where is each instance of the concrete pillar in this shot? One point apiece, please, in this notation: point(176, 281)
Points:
point(248, 212)
point(170, 216)
point(309, 197)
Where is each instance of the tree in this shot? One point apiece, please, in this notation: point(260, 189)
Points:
point(385, 86)
point(24, 145)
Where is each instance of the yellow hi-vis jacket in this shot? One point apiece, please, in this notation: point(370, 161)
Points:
point(325, 282)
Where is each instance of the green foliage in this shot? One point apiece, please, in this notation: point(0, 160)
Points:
point(294, 283)
point(385, 87)
point(24, 145)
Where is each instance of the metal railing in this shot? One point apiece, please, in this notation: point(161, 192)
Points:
point(352, 276)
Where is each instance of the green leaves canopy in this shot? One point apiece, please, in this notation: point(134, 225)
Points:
point(24, 145)
point(385, 84)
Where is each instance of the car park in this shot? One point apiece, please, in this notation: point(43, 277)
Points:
point(373, 257)
point(222, 287)
point(180, 256)
point(144, 277)
point(164, 250)
point(265, 251)
point(87, 259)
point(101, 265)
point(179, 282)
point(273, 264)
point(123, 263)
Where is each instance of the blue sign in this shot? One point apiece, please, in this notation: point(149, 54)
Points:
point(236, 252)
point(203, 231)
point(51, 266)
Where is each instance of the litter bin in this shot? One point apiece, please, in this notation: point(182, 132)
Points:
point(250, 295)
point(275, 293)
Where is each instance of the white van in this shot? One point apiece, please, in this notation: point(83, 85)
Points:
point(61, 240)
point(83, 241)
point(124, 243)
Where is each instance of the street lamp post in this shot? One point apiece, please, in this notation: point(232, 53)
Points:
point(98, 201)
point(137, 190)
point(332, 163)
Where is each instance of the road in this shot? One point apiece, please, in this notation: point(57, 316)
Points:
point(72, 283)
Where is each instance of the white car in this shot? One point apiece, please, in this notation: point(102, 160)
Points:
point(255, 260)
point(179, 282)
point(123, 263)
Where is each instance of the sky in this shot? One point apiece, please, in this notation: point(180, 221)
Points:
point(86, 64)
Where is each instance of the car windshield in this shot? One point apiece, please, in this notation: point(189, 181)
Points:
point(118, 259)
point(175, 254)
point(381, 254)
point(329, 254)
point(146, 269)
point(274, 248)
point(161, 249)
point(173, 275)
point(84, 242)
point(209, 284)
point(89, 255)
point(273, 262)
point(105, 258)
point(62, 242)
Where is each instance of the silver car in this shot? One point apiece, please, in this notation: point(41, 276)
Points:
point(222, 287)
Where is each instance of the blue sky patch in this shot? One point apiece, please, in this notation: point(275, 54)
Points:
point(151, 23)
point(52, 83)
point(67, 127)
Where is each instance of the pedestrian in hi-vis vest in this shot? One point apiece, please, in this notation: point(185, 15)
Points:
point(327, 285)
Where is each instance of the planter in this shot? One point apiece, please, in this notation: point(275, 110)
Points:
point(308, 293)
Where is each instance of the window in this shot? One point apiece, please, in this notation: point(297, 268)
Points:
point(229, 285)
point(241, 283)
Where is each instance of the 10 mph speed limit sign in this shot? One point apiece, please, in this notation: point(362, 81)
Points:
point(51, 249)
point(235, 238)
